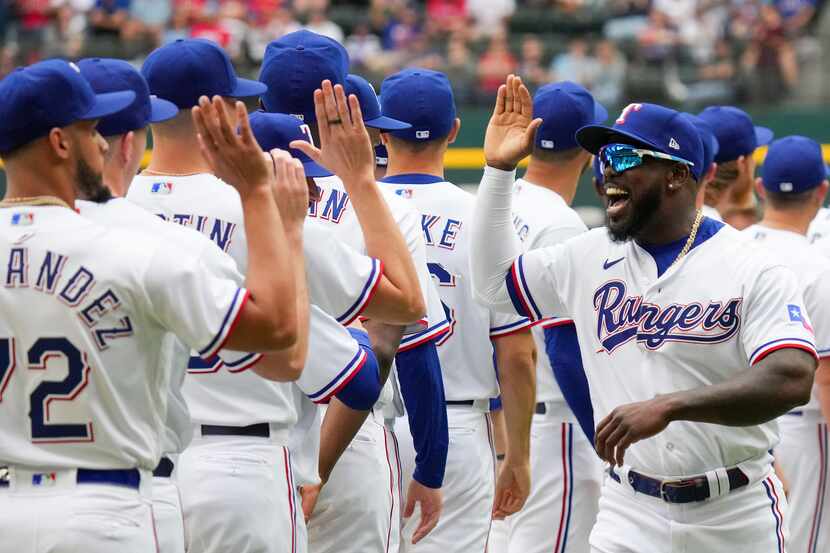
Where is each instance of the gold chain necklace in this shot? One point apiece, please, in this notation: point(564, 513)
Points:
point(690, 240)
point(34, 201)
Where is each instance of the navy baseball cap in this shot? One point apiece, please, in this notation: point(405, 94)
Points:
point(294, 66)
point(110, 75)
point(707, 138)
point(651, 126)
point(793, 164)
point(52, 93)
point(370, 105)
point(564, 108)
point(278, 130)
point(187, 69)
point(421, 97)
point(736, 134)
point(381, 156)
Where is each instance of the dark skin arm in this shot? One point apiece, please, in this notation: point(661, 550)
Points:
point(780, 382)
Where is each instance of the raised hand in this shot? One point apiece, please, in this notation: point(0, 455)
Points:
point(290, 188)
point(345, 148)
point(511, 129)
point(236, 158)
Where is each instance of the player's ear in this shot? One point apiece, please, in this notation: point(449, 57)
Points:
point(821, 192)
point(456, 126)
point(759, 189)
point(59, 142)
point(126, 147)
point(384, 138)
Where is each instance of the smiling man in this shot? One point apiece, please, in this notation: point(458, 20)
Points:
point(693, 341)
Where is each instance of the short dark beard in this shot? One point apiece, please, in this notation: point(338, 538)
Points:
point(90, 184)
point(643, 212)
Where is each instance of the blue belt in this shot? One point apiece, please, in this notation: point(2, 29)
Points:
point(127, 478)
point(686, 490)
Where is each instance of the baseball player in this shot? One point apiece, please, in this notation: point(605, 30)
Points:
point(566, 470)
point(710, 150)
point(471, 491)
point(83, 419)
point(687, 372)
point(233, 434)
point(731, 191)
point(348, 496)
point(792, 194)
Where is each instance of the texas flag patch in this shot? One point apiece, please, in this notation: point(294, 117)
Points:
point(23, 219)
point(162, 188)
point(796, 316)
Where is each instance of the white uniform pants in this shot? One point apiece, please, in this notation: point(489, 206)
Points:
point(803, 454)
point(61, 516)
point(752, 519)
point(566, 477)
point(167, 511)
point(238, 495)
point(358, 510)
point(468, 490)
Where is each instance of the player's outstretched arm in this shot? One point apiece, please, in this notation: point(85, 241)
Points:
point(778, 383)
point(495, 246)
point(267, 321)
point(516, 359)
point(345, 149)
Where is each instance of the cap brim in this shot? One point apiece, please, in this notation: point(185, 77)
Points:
point(162, 110)
point(109, 103)
point(763, 136)
point(594, 137)
point(312, 169)
point(600, 113)
point(384, 123)
point(245, 88)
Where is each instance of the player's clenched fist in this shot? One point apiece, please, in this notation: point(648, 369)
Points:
point(236, 158)
point(510, 132)
point(345, 147)
point(628, 424)
point(290, 187)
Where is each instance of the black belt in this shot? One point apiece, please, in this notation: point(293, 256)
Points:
point(128, 478)
point(164, 468)
point(541, 408)
point(687, 490)
point(261, 430)
point(466, 402)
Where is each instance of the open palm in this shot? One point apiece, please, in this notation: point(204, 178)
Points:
point(511, 129)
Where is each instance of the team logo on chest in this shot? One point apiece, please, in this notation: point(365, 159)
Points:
point(621, 318)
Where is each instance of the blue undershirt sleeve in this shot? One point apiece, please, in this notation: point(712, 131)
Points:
point(562, 348)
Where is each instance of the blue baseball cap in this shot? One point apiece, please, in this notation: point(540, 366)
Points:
point(49, 94)
point(421, 97)
point(187, 69)
point(651, 126)
point(110, 75)
point(736, 134)
point(793, 164)
point(278, 130)
point(707, 138)
point(294, 66)
point(564, 108)
point(370, 105)
point(381, 156)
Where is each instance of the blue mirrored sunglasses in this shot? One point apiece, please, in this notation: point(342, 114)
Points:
point(622, 157)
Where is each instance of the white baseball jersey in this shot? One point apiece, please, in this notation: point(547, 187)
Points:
point(642, 335)
point(820, 227)
point(465, 352)
point(83, 380)
point(813, 273)
point(543, 218)
point(221, 396)
point(711, 212)
point(121, 213)
point(333, 209)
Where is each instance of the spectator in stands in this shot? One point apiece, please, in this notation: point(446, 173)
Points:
point(109, 17)
point(771, 56)
point(609, 81)
point(575, 64)
point(495, 64)
point(531, 66)
point(146, 26)
point(490, 15)
point(319, 22)
point(715, 84)
point(461, 66)
point(401, 28)
point(364, 48)
point(446, 15)
point(275, 23)
point(31, 32)
point(65, 38)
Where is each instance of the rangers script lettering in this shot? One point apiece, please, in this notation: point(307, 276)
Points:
point(621, 318)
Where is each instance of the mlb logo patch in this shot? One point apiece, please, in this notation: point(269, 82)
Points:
point(423, 135)
point(794, 312)
point(547, 144)
point(785, 187)
point(162, 188)
point(44, 479)
point(23, 219)
point(405, 193)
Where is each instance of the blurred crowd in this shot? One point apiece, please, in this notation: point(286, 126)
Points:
point(685, 52)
